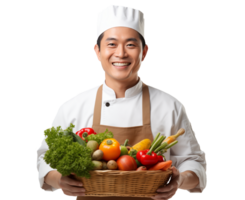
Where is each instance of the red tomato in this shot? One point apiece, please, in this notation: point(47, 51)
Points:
point(126, 163)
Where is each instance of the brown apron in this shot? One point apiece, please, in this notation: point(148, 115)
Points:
point(133, 134)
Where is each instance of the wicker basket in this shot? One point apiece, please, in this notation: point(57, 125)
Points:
point(124, 183)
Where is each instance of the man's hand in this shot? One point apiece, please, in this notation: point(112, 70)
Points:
point(169, 190)
point(71, 187)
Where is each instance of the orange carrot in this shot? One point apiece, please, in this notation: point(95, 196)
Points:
point(162, 165)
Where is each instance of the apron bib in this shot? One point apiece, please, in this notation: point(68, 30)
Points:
point(133, 134)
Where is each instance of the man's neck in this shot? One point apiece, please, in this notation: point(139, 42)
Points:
point(120, 86)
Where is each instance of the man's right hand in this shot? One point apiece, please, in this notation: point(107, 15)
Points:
point(71, 187)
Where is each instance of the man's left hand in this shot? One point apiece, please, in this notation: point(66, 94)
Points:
point(169, 190)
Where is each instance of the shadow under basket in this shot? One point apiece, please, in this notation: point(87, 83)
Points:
point(124, 183)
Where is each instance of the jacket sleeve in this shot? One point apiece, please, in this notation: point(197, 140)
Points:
point(187, 155)
point(42, 167)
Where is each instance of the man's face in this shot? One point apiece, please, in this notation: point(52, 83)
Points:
point(121, 53)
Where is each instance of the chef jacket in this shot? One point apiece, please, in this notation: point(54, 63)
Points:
point(168, 115)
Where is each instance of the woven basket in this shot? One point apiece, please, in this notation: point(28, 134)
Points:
point(124, 183)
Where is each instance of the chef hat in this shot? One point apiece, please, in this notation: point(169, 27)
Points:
point(115, 16)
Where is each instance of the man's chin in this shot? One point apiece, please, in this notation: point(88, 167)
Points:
point(120, 77)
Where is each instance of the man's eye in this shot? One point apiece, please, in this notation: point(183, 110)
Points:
point(112, 44)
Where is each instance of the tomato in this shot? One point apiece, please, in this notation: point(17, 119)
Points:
point(111, 149)
point(126, 163)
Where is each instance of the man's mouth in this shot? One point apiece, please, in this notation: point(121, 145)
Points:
point(121, 64)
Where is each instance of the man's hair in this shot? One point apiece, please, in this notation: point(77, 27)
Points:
point(102, 34)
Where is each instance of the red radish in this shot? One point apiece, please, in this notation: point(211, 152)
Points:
point(141, 168)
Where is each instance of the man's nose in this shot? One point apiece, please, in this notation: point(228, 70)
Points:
point(120, 52)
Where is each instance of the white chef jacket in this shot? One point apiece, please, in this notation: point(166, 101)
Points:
point(167, 117)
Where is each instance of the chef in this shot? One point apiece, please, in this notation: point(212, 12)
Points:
point(128, 107)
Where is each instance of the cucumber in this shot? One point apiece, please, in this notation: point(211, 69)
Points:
point(76, 138)
point(79, 140)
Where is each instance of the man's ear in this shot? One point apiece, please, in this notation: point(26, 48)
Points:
point(96, 49)
point(144, 52)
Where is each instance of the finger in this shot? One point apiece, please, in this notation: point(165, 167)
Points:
point(164, 189)
point(161, 196)
point(72, 188)
point(69, 181)
point(175, 174)
point(73, 193)
point(174, 170)
point(173, 186)
point(166, 195)
point(158, 197)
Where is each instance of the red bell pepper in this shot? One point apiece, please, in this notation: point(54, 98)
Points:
point(147, 159)
point(160, 158)
point(85, 132)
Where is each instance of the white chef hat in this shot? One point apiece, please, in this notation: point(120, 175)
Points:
point(115, 16)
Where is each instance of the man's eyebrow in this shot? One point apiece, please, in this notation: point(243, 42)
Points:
point(129, 39)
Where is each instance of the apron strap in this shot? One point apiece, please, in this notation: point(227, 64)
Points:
point(146, 107)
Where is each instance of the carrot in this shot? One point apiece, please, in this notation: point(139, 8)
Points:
point(162, 165)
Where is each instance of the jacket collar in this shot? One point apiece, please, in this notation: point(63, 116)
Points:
point(130, 92)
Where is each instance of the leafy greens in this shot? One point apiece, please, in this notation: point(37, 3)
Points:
point(100, 136)
point(65, 155)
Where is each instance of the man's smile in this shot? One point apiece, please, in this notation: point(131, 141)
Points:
point(121, 64)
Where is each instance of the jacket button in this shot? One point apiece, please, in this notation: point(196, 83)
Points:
point(107, 104)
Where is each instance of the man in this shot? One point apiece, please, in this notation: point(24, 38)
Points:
point(124, 101)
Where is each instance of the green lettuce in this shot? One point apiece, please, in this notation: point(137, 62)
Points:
point(65, 155)
point(100, 136)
